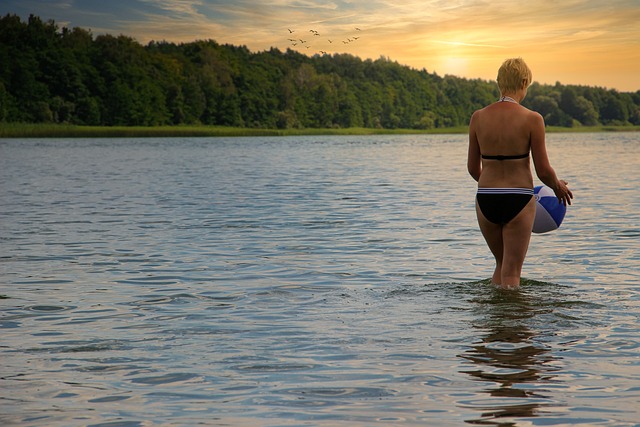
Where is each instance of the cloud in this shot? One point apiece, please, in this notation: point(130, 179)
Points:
point(440, 35)
point(468, 44)
point(185, 8)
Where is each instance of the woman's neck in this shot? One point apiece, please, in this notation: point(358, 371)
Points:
point(506, 98)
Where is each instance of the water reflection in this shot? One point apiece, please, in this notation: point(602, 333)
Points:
point(511, 358)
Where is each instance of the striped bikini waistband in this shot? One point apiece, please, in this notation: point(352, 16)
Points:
point(487, 190)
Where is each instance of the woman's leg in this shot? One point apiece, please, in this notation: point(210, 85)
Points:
point(493, 236)
point(516, 235)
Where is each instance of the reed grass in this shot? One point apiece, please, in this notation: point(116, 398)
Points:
point(27, 130)
point(31, 130)
point(593, 129)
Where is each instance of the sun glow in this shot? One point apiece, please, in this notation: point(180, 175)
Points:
point(455, 65)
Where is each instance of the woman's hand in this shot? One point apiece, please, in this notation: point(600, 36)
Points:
point(563, 193)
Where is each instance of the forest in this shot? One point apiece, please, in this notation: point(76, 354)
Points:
point(50, 74)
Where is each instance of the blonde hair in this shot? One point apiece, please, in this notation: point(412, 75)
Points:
point(511, 74)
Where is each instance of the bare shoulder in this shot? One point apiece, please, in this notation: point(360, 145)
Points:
point(475, 117)
point(534, 115)
point(479, 113)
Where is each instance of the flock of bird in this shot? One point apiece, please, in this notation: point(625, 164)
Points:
point(302, 42)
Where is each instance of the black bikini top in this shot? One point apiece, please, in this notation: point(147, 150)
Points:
point(501, 157)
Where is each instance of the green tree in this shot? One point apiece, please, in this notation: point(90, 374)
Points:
point(613, 110)
point(66, 75)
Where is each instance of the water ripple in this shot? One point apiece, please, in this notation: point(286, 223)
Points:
point(307, 281)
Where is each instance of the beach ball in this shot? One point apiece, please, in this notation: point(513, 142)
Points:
point(549, 210)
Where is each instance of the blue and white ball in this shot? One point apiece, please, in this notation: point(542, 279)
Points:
point(549, 210)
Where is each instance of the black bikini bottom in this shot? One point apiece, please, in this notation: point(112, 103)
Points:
point(501, 205)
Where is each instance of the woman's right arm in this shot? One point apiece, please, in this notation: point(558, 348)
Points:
point(545, 172)
point(474, 164)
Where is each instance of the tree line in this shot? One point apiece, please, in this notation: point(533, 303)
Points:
point(50, 74)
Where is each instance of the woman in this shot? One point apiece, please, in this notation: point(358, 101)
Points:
point(501, 136)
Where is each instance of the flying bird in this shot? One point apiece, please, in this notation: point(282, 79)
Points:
point(290, 31)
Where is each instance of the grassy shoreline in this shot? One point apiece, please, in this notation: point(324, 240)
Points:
point(21, 130)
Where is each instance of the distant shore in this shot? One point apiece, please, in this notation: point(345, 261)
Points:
point(20, 130)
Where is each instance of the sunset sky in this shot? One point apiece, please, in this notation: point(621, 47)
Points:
point(586, 42)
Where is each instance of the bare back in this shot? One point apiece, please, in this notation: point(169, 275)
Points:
point(504, 128)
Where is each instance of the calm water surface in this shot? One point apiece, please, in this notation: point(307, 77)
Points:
point(308, 281)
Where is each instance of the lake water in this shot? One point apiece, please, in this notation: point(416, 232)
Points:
point(308, 281)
